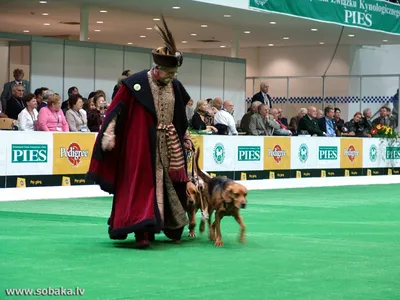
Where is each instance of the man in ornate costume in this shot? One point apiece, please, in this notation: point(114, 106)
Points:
point(139, 152)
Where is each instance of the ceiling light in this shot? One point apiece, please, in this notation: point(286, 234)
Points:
point(314, 29)
point(26, 31)
point(99, 22)
point(247, 32)
point(42, 2)
point(176, 7)
point(193, 34)
point(149, 28)
point(46, 24)
point(385, 41)
point(130, 43)
point(184, 42)
point(97, 30)
point(45, 14)
point(351, 35)
point(142, 36)
point(285, 38)
point(321, 43)
point(227, 16)
point(204, 26)
point(103, 11)
point(222, 46)
point(156, 19)
point(273, 23)
point(271, 45)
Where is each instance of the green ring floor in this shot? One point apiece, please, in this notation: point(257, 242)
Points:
point(320, 243)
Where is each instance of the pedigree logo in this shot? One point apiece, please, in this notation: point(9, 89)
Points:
point(74, 154)
point(277, 153)
point(351, 153)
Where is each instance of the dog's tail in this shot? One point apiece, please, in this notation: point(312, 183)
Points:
point(203, 175)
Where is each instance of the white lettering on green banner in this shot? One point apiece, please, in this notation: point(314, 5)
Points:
point(370, 14)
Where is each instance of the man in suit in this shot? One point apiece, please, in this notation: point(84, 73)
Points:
point(8, 88)
point(245, 122)
point(257, 124)
point(15, 104)
point(263, 96)
point(327, 123)
point(309, 123)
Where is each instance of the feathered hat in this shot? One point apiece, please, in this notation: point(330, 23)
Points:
point(167, 56)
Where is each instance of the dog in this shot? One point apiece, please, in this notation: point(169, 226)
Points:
point(226, 197)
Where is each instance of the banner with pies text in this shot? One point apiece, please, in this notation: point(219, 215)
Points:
point(351, 153)
point(72, 152)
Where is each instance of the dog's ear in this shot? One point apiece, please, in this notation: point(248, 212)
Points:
point(227, 194)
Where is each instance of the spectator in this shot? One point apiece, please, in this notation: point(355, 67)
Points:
point(339, 122)
point(118, 85)
point(39, 94)
point(258, 121)
point(46, 96)
point(51, 117)
point(9, 87)
point(309, 124)
point(190, 110)
point(27, 118)
point(76, 116)
point(217, 103)
point(15, 104)
point(199, 121)
point(263, 95)
point(281, 117)
point(96, 115)
point(71, 91)
point(355, 127)
point(245, 122)
point(384, 118)
point(224, 121)
point(281, 129)
point(294, 122)
point(366, 121)
point(327, 124)
point(320, 114)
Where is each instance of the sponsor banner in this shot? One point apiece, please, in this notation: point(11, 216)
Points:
point(251, 175)
point(310, 173)
point(392, 153)
point(228, 174)
point(332, 173)
point(351, 153)
point(198, 144)
point(276, 153)
point(249, 153)
point(29, 153)
point(304, 153)
point(72, 152)
point(2, 182)
point(367, 14)
point(46, 180)
point(219, 153)
point(328, 154)
point(378, 153)
point(279, 174)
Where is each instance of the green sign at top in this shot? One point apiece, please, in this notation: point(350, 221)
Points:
point(369, 14)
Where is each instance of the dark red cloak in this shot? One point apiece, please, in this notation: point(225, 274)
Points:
point(128, 171)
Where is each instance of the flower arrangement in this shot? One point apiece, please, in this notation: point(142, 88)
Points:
point(382, 131)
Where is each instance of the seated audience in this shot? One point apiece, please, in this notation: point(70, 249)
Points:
point(366, 121)
point(9, 87)
point(51, 117)
point(261, 123)
point(46, 95)
point(355, 127)
point(320, 114)
point(309, 124)
point(327, 124)
point(96, 116)
point(27, 118)
point(71, 91)
point(15, 104)
point(118, 85)
point(39, 94)
point(282, 129)
point(384, 118)
point(224, 121)
point(245, 122)
point(294, 122)
point(76, 116)
point(199, 120)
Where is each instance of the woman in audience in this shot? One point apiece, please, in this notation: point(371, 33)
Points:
point(96, 115)
point(27, 118)
point(119, 83)
point(76, 116)
point(200, 119)
point(51, 117)
point(189, 110)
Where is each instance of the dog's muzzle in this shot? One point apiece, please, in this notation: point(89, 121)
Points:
point(191, 201)
point(243, 205)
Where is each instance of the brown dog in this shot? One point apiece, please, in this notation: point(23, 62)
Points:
point(226, 197)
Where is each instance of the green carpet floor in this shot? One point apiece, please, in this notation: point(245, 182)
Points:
point(321, 243)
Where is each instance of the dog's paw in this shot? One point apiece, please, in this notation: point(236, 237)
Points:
point(192, 234)
point(218, 243)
